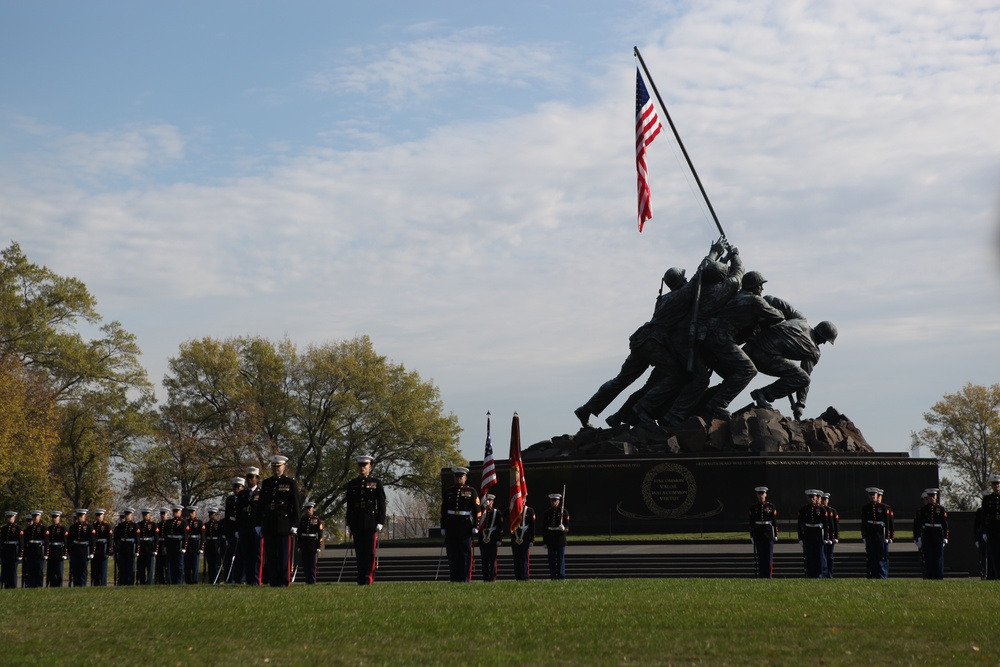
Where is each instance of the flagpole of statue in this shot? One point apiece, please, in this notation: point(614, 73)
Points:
point(680, 143)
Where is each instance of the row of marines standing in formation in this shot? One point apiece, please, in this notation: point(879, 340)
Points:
point(464, 517)
point(719, 322)
point(819, 531)
point(250, 544)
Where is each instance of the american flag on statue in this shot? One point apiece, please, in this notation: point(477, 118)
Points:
point(489, 466)
point(647, 126)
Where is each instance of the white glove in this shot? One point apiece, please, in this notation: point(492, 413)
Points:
point(475, 531)
point(800, 543)
point(259, 530)
point(90, 556)
point(295, 531)
point(917, 542)
point(946, 541)
point(984, 538)
point(888, 541)
point(864, 541)
point(378, 527)
point(237, 534)
point(836, 541)
point(751, 540)
point(184, 551)
point(443, 532)
point(319, 550)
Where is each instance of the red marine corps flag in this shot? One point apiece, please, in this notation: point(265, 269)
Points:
point(647, 126)
point(489, 466)
point(518, 485)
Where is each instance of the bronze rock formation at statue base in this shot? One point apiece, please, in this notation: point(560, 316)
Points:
point(750, 430)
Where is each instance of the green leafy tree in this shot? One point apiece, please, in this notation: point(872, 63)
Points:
point(963, 432)
point(29, 434)
point(101, 392)
point(243, 399)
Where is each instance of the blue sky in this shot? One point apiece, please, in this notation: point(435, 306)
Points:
point(457, 181)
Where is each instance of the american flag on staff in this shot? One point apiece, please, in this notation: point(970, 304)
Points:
point(489, 467)
point(518, 485)
point(647, 126)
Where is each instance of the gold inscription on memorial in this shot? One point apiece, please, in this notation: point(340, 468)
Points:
point(669, 490)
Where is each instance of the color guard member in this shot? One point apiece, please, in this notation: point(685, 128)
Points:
point(522, 538)
point(490, 531)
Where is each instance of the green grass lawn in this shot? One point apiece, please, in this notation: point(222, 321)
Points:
point(576, 622)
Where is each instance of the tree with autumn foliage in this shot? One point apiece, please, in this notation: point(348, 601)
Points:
point(963, 432)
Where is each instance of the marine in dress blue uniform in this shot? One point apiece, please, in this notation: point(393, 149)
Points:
point(214, 545)
point(310, 542)
point(365, 518)
point(10, 550)
point(232, 561)
point(148, 535)
point(176, 543)
point(162, 575)
point(833, 536)
point(991, 529)
point(877, 532)
point(80, 542)
point(930, 534)
point(812, 525)
point(57, 553)
point(35, 540)
point(195, 546)
point(491, 527)
point(763, 533)
point(460, 510)
point(278, 514)
point(251, 554)
point(104, 547)
point(126, 540)
point(522, 537)
point(556, 525)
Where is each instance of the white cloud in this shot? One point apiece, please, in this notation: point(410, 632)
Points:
point(850, 152)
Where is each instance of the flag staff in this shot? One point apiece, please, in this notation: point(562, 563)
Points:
point(679, 142)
